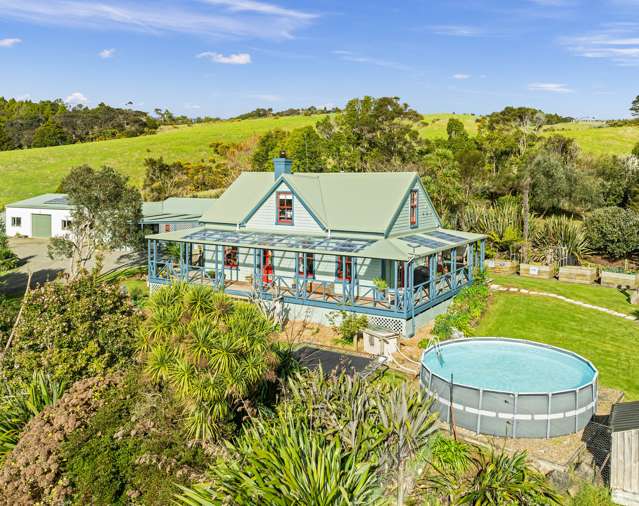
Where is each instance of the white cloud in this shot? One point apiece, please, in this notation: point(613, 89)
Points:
point(24, 96)
point(461, 77)
point(456, 30)
point(218, 18)
point(76, 98)
point(107, 53)
point(231, 59)
point(261, 8)
point(9, 42)
point(190, 106)
point(550, 87)
point(616, 42)
point(355, 58)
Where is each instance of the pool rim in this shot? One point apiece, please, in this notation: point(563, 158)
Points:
point(509, 339)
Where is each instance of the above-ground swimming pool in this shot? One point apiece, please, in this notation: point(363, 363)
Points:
point(510, 387)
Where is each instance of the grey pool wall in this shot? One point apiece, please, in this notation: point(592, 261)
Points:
point(511, 414)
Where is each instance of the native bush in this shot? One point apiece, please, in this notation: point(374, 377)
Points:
point(488, 477)
point(211, 352)
point(132, 449)
point(8, 259)
point(559, 232)
point(613, 231)
point(73, 330)
point(335, 439)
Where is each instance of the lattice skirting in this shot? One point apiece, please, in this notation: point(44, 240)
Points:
point(394, 324)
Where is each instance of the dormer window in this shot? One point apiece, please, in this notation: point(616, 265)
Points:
point(413, 208)
point(284, 208)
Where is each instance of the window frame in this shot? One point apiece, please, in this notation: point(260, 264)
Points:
point(233, 251)
point(16, 221)
point(310, 262)
point(65, 224)
point(279, 220)
point(414, 208)
point(347, 265)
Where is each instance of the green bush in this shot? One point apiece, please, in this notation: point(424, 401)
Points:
point(347, 325)
point(613, 231)
point(132, 450)
point(8, 259)
point(73, 330)
point(465, 310)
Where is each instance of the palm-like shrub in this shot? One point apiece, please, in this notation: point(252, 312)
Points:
point(21, 403)
point(502, 223)
point(490, 477)
point(554, 232)
point(284, 462)
point(211, 352)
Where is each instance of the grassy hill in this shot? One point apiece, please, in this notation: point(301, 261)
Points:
point(25, 173)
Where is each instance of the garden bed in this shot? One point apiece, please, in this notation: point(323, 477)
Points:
point(576, 274)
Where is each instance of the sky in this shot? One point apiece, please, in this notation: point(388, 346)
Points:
point(225, 57)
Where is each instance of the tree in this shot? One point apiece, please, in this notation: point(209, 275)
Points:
point(105, 216)
point(372, 134)
point(268, 147)
point(634, 107)
point(440, 175)
point(8, 259)
point(49, 134)
point(304, 147)
point(552, 182)
point(635, 150)
point(213, 354)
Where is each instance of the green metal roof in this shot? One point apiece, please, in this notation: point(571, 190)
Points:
point(395, 248)
point(340, 201)
point(44, 201)
point(175, 210)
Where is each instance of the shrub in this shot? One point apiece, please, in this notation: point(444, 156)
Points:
point(32, 472)
point(613, 231)
point(347, 325)
point(559, 232)
point(73, 330)
point(132, 450)
point(22, 402)
point(8, 259)
point(465, 310)
point(213, 353)
point(8, 311)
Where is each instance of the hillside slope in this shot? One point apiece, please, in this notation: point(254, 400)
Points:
point(25, 173)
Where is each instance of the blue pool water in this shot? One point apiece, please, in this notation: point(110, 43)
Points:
point(509, 366)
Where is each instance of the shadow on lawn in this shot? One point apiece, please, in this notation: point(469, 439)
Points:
point(14, 283)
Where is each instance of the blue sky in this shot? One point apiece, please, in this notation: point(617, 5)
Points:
point(224, 57)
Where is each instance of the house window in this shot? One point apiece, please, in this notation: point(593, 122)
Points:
point(413, 208)
point(284, 208)
point(16, 221)
point(230, 257)
point(66, 224)
point(344, 268)
point(310, 265)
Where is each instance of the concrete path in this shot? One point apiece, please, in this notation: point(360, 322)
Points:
point(523, 291)
point(33, 257)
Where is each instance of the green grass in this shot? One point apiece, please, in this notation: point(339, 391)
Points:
point(30, 172)
point(607, 341)
point(610, 298)
point(598, 139)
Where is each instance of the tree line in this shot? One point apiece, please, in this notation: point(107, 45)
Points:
point(26, 124)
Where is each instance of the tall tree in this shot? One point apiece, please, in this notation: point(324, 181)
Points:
point(634, 107)
point(304, 147)
point(105, 215)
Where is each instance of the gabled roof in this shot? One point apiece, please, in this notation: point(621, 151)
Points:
point(349, 202)
point(44, 201)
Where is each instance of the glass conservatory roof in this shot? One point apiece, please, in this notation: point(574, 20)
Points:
point(281, 240)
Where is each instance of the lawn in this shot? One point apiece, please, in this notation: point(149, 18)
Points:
point(598, 295)
point(607, 341)
point(598, 139)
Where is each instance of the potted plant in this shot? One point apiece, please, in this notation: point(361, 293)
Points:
point(382, 287)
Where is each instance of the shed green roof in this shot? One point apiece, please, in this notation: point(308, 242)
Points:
point(340, 201)
point(44, 201)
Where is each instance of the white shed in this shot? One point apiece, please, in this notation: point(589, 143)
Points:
point(624, 458)
point(47, 215)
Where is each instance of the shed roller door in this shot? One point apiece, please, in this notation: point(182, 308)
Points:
point(41, 225)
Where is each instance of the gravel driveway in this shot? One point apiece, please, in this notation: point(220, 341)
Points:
point(33, 257)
